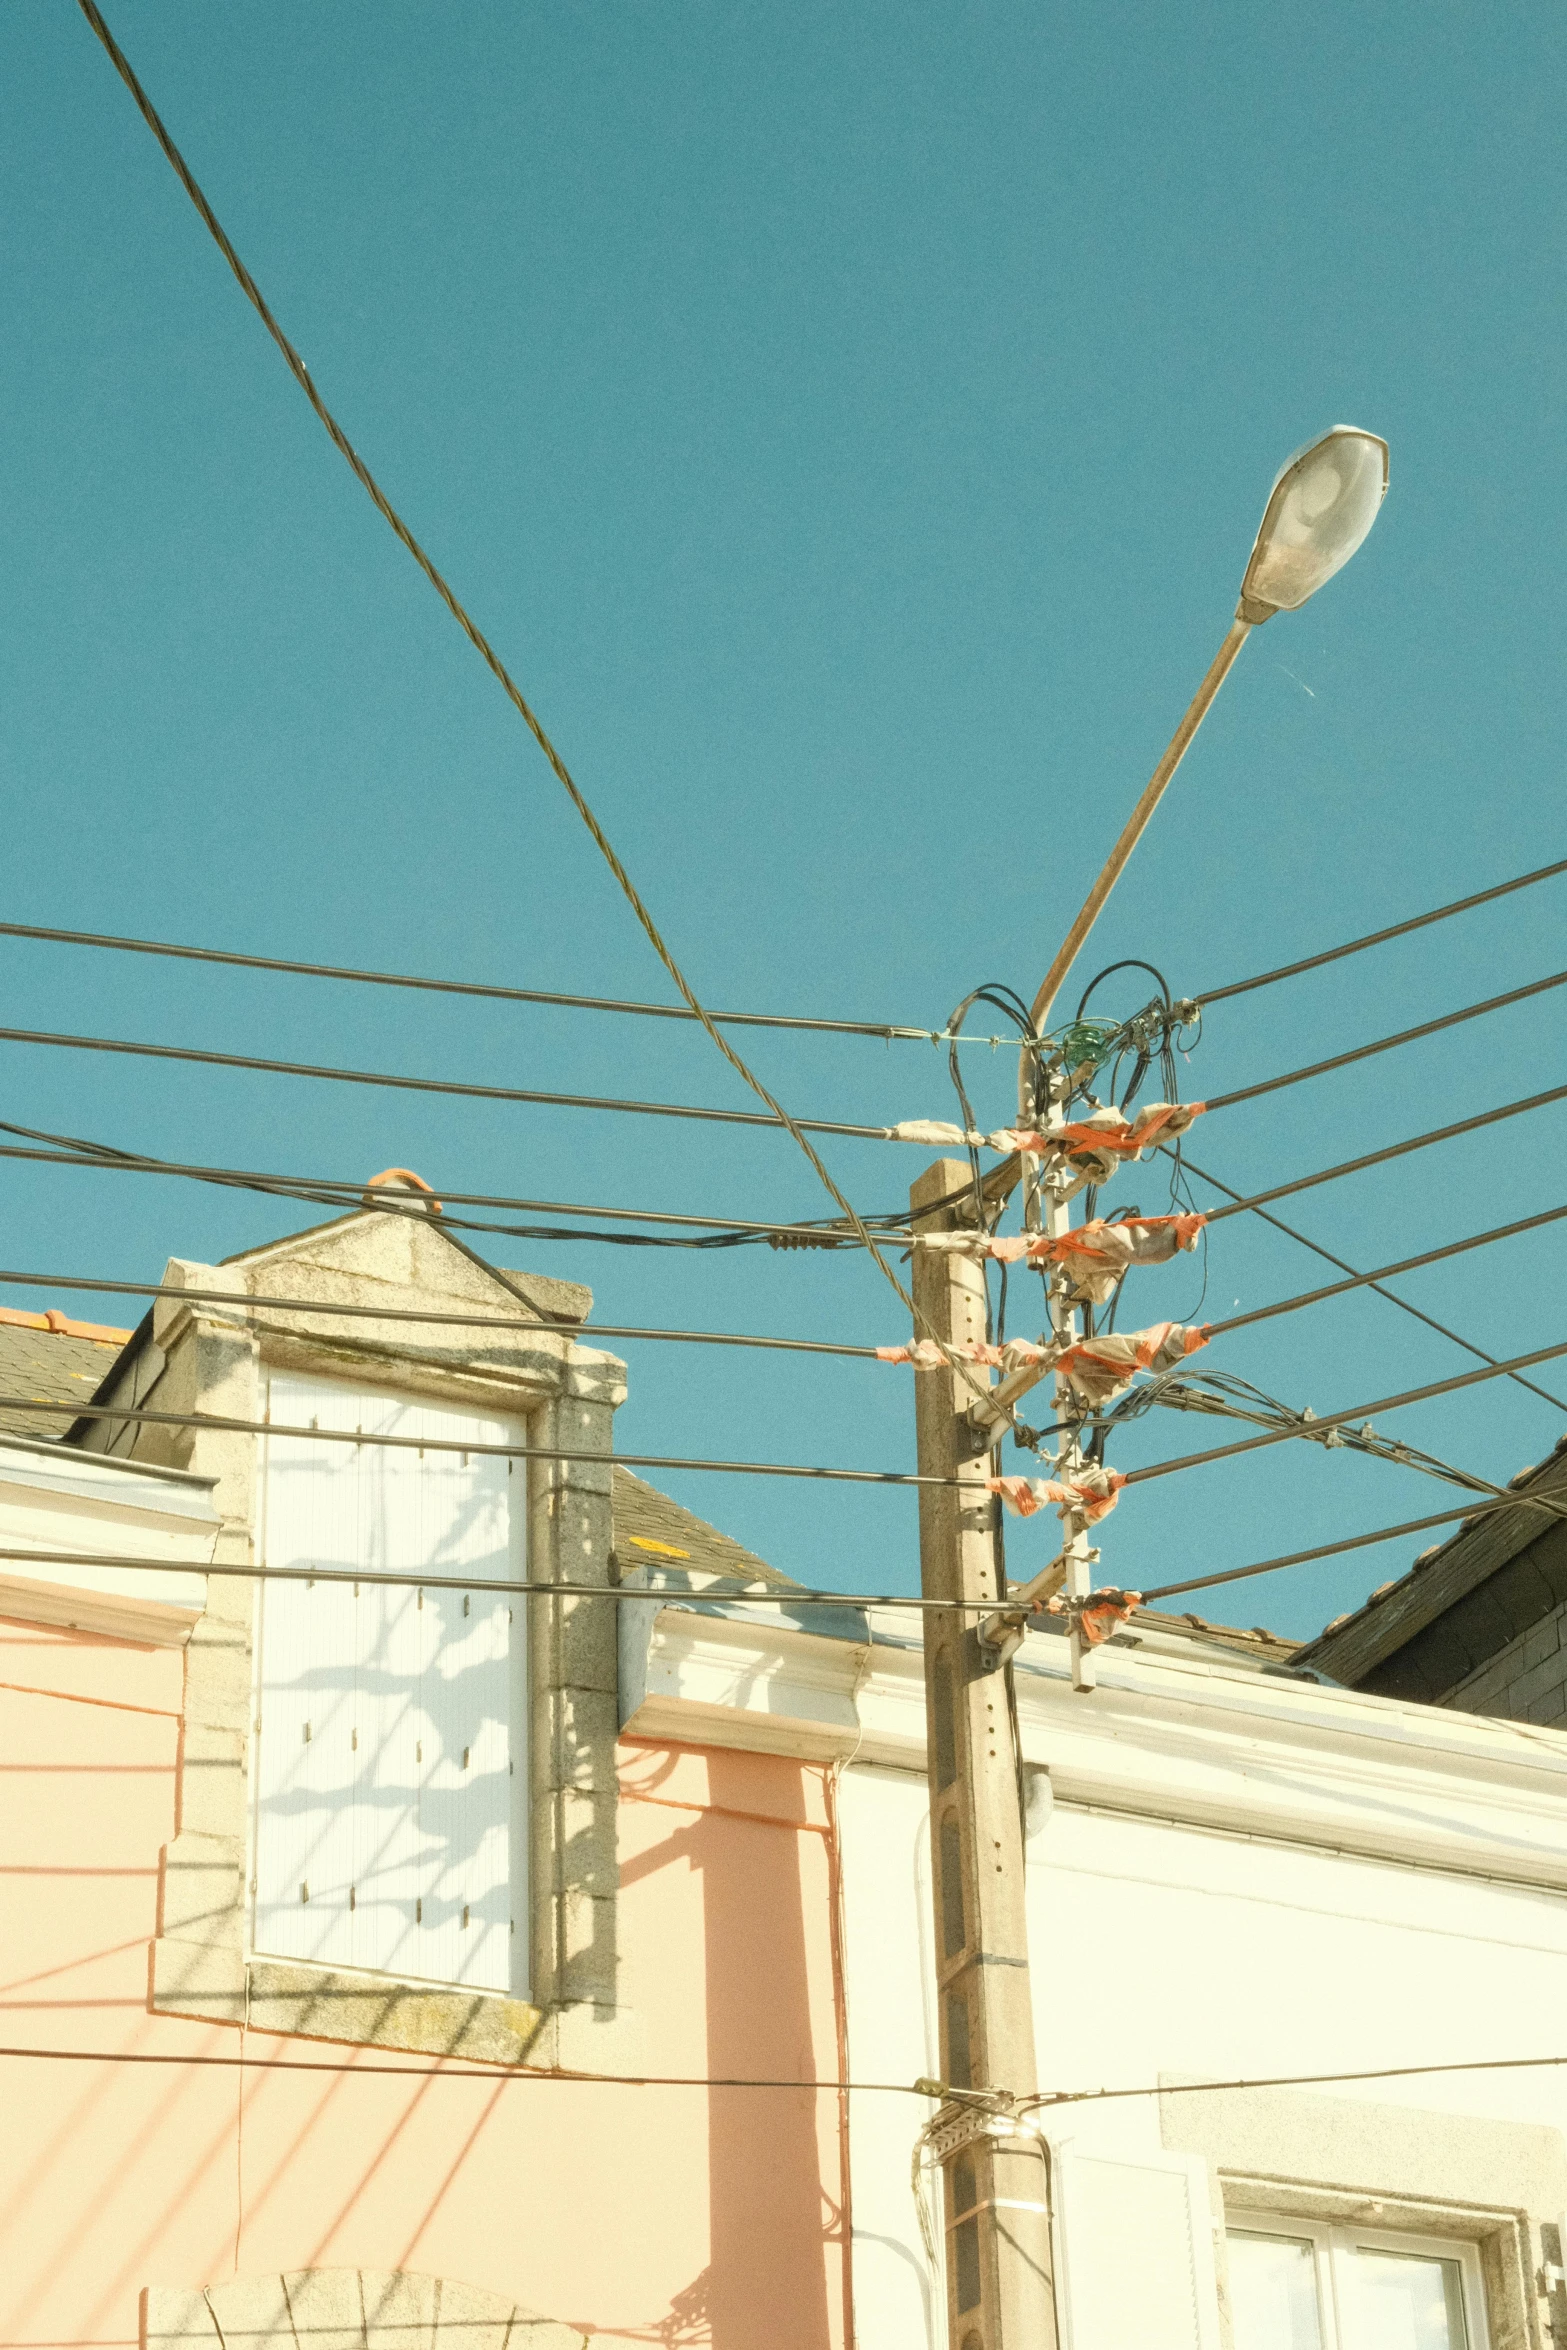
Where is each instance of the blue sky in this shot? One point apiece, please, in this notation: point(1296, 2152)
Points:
point(851, 426)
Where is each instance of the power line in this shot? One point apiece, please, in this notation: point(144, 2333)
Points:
point(417, 1579)
point(1376, 938)
point(1381, 2072)
point(354, 1194)
point(880, 1030)
point(502, 675)
point(1328, 1550)
point(1386, 1044)
point(442, 1085)
point(497, 2074)
point(1431, 1256)
point(1480, 1353)
point(92, 1409)
point(1394, 1150)
point(245, 1303)
point(1323, 1424)
point(502, 2075)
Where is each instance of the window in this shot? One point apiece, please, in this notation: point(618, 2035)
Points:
point(1299, 2285)
point(390, 1786)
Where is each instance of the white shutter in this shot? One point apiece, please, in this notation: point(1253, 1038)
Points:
point(391, 1837)
point(1134, 2251)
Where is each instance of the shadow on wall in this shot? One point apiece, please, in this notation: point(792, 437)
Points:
point(771, 2216)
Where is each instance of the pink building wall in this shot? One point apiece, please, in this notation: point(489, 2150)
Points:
point(657, 2215)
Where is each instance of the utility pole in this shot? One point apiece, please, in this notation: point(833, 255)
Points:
point(1000, 2293)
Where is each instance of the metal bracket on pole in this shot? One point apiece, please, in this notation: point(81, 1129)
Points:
point(1000, 1636)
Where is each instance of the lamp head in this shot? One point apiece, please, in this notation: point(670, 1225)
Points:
point(1322, 505)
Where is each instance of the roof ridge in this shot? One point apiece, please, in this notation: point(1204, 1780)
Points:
point(63, 1326)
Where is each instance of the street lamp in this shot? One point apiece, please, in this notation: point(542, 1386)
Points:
point(1320, 509)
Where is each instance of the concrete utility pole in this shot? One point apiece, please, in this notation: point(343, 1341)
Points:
point(1000, 2293)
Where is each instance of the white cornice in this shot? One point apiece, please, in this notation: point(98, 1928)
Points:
point(1161, 1738)
point(83, 1506)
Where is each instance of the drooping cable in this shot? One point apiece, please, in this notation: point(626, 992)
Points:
point(1326, 1421)
point(1222, 1393)
point(353, 1195)
point(490, 657)
point(538, 1324)
point(503, 2074)
point(1376, 938)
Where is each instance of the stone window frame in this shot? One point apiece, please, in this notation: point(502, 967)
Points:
point(209, 1358)
point(1500, 2186)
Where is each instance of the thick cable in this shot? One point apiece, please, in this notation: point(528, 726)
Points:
point(499, 2075)
point(420, 1579)
point(1317, 1428)
point(1431, 1256)
point(353, 1193)
point(442, 1085)
point(881, 1031)
point(1381, 2072)
point(1480, 1353)
point(496, 666)
point(1328, 1550)
point(350, 1201)
point(1394, 1150)
point(1376, 938)
point(1386, 1044)
point(504, 2074)
point(91, 1409)
point(540, 1326)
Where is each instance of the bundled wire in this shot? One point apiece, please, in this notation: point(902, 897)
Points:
point(352, 1196)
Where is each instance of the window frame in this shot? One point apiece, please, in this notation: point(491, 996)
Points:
point(1331, 2239)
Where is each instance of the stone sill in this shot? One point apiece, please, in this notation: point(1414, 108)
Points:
point(320, 2003)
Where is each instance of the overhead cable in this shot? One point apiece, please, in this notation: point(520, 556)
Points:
point(353, 1194)
point(1381, 2072)
point(1376, 938)
point(543, 1326)
point(1431, 1256)
point(498, 670)
point(1328, 1550)
point(421, 1579)
point(1394, 1150)
point(442, 1085)
point(1222, 1393)
point(92, 1409)
point(1323, 1423)
point(1386, 1044)
point(499, 2075)
point(1373, 1282)
point(882, 1031)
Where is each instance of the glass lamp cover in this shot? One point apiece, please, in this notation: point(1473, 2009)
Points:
point(1323, 504)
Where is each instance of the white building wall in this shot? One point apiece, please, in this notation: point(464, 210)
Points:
point(1167, 1950)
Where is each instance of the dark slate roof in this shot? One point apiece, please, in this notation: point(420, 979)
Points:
point(653, 1531)
point(41, 1364)
point(1421, 1634)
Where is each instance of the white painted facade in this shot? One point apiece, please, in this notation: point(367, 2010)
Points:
point(1231, 1875)
point(67, 1516)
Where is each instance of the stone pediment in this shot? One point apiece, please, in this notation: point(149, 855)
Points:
point(386, 1251)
